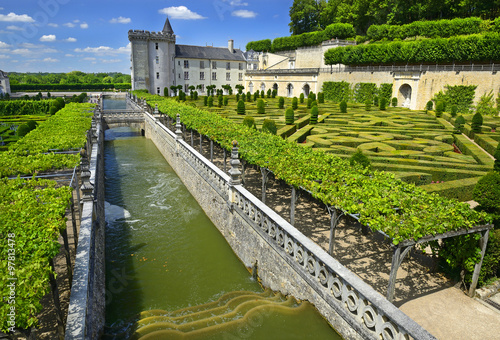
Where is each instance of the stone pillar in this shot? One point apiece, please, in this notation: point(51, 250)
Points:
point(86, 187)
point(235, 172)
point(178, 128)
point(156, 110)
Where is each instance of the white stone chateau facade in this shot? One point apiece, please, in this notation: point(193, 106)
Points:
point(4, 83)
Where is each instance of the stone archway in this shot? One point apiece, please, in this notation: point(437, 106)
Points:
point(289, 90)
point(404, 95)
point(306, 89)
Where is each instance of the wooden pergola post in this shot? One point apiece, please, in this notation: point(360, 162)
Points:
point(295, 197)
point(483, 242)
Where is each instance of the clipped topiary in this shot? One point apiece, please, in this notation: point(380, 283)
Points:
point(289, 116)
point(53, 110)
point(262, 93)
point(368, 105)
point(226, 101)
point(311, 95)
point(281, 102)
point(295, 103)
point(274, 94)
point(459, 124)
point(343, 106)
point(359, 158)
point(383, 104)
point(241, 107)
point(314, 115)
point(32, 124)
point(321, 98)
point(269, 93)
point(454, 110)
point(249, 121)
point(375, 101)
point(477, 122)
point(301, 98)
point(205, 101)
point(249, 96)
point(195, 95)
point(429, 106)
point(394, 102)
point(255, 95)
point(220, 100)
point(22, 130)
point(269, 126)
point(439, 109)
point(309, 102)
point(487, 192)
point(210, 101)
point(237, 97)
point(261, 108)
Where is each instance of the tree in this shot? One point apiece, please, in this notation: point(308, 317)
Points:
point(220, 100)
point(383, 104)
point(210, 101)
point(289, 116)
point(281, 102)
point(261, 108)
point(295, 103)
point(304, 16)
point(241, 107)
point(477, 122)
point(343, 106)
point(249, 122)
point(301, 97)
point(459, 124)
point(174, 89)
point(439, 108)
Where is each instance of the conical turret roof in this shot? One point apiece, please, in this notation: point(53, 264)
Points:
point(167, 28)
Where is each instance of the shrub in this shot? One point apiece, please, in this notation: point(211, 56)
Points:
point(368, 105)
point(359, 158)
point(241, 107)
point(261, 106)
point(255, 95)
point(269, 93)
point(226, 101)
point(165, 91)
point(31, 124)
point(210, 101)
point(487, 192)
point(259, 45)
point(394, 102)
point(289, 116)
point(274, 93)
point(281, 102)
point(220, 100)
point(459, 124)
point(311, 95)
point(439, 108)
point(269, 126)
point(337, 91)
point(262, 93)
point(496, 166)
point(249, 96)
point(295, 104)
point(237, 97)
point(195, 95)
point(301, 98)
point(249, 121)
point(321, 98)
point(309, 102)
point(22, 130)
point(53, 110)
point(383, 104)
point(454, 110)
point(375, 100)
point(429, 106)
point(343, 106)
point(477, 122)
point(314, 115)
point(314, 103)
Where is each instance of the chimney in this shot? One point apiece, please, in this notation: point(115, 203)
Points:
point(230, 45)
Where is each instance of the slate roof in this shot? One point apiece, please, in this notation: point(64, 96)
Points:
point(206, 52)
point(168, 28)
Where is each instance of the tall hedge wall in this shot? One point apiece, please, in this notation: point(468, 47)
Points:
point(69, 87)
point(476, 47)
point(359, 93)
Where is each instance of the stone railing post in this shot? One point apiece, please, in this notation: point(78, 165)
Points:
point(235, 172)
point(156, 110)
point(86, 186)
point(178, 128)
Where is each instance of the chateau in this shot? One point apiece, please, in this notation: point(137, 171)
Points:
point(4, 83)
point(158, 63)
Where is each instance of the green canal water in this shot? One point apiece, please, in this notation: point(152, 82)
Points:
point(163, 252)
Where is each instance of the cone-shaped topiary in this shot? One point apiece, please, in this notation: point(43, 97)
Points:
point(237, 97)
point(255, 95)
point(249, 121)
point(321, 98)
point(309, 102)
point(195, 95)
point(226, 101)
point(249, 96)
point(241, 107)
point(281, 102)
point(262, 93)
point(394, 102)
point(289, 116)
point(477, 121)
point(269, 93)
point(261, 106)
point(314, 115)
point(383, 104)
point(210, 101)
point(220, 100)
point(301, 98)
point(343, 106)
point(454, 110)
point(205, 101)
point(429, 105)
point(459, 124)
point(269, 126)
point(295, 103)
point(439, 108)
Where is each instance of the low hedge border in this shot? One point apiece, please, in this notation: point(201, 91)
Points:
point(459, 189)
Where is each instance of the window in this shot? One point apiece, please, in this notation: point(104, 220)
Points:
point(179, 62)
point(179, 76)
point(240, 66)
point(228, 76)
point(202, 87)
point(186, 63)
point(214, 65)
point(202, 64)
point(240, 76)
point(202, 75)
point(158, 90)
point(156, 46)
point(214, 75)
point(157, 59)
point(228, 66)
point(186, 75)
point(157, 75)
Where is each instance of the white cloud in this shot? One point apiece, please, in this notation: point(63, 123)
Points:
point(89, 58)
point(13, 17)
point(238, 3)
point(3, 56)
point(69, 24)
point(30, 45)
point(111, 61)
point(15, 28)
point(181, 12)
point(69, 55)
point(70, 39)
point(84, 25)
point(104, 50)
point(22, 51)
point(50, 60)
point(48, 38)
point(4, 45)
point(120, 20)
point(52, 25)
point(243, 13)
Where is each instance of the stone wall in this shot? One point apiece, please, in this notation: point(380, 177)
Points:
point(286, 260)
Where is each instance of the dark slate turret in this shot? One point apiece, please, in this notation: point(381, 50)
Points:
point(167, 28)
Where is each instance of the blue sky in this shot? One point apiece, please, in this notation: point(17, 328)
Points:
point(91, 36)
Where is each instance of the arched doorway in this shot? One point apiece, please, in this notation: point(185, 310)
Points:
point(306, 89)
point(250, 87)
point(263, 87)
point(289, 90)
point(404, 95)
point(275, 87)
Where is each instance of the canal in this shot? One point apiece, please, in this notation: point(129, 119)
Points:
point(164, 258)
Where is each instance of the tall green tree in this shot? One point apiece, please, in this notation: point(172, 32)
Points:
point(304, 16)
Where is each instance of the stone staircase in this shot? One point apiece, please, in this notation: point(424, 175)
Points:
point(228, 312)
